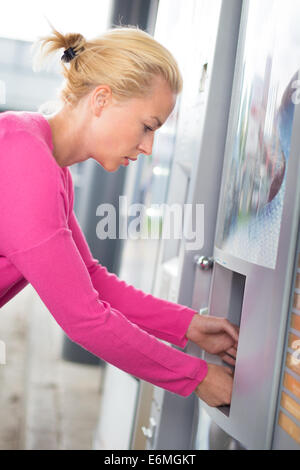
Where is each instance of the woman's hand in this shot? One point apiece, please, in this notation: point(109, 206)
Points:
point(216, 388)
point(215, 335)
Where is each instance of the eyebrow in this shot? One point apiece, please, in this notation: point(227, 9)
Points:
point(159, 123)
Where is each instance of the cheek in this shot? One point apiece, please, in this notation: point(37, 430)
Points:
point(126, 138)
point(117, 136)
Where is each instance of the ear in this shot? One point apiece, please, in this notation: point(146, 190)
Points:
point(101, 97)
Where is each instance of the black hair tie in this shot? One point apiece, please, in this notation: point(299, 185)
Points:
point(68, 55)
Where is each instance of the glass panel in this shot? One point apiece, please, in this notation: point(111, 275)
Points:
point(139, 256)
point(259, 151)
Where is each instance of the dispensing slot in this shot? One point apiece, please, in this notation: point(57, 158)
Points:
point(236, 298)
point(226, 300)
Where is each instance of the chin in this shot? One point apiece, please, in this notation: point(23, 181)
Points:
point(112, 170)
point(109, 167)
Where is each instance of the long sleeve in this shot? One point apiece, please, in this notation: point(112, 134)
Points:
point(13, 291)
point(58, 274)
point(34, 208)
point(165, 320)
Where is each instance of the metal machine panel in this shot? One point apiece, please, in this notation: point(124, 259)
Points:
point(258, 216)
point(211, 39)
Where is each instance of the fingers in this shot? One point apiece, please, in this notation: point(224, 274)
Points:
point(229, 371)
point(229, 356)
point(228, 359)
point(232, 352)
point(232, 330)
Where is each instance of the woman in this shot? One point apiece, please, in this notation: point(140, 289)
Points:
point(119, 88)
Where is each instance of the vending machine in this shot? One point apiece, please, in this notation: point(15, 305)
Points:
point(255, 281)
point(209, 35)
point(248, 267)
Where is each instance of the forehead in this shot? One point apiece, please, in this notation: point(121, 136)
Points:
point(160, 102)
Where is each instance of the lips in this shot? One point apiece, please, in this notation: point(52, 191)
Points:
point(132, 159)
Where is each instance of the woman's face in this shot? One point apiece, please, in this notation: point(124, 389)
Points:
point(119, 131)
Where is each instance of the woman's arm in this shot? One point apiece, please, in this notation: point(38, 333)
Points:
point(165, 320)
point(56, 270)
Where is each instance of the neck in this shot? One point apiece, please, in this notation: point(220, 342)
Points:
point(67, 137)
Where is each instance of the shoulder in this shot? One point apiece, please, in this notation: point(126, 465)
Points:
point(31, 122)
point(25, 141)
point(22, 124)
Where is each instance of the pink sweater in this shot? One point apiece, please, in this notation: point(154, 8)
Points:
point(41, 243)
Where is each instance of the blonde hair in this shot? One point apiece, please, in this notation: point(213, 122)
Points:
point(125, 58)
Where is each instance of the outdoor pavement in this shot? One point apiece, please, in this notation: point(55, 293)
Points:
point(46, 403)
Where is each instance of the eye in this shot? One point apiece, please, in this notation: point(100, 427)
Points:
point(148, 129)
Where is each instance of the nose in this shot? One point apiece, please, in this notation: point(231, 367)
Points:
point(146, 145)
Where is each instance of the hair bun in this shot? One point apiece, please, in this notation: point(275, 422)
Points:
point(74, 40)
point(68, 55)
point(74, 44)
